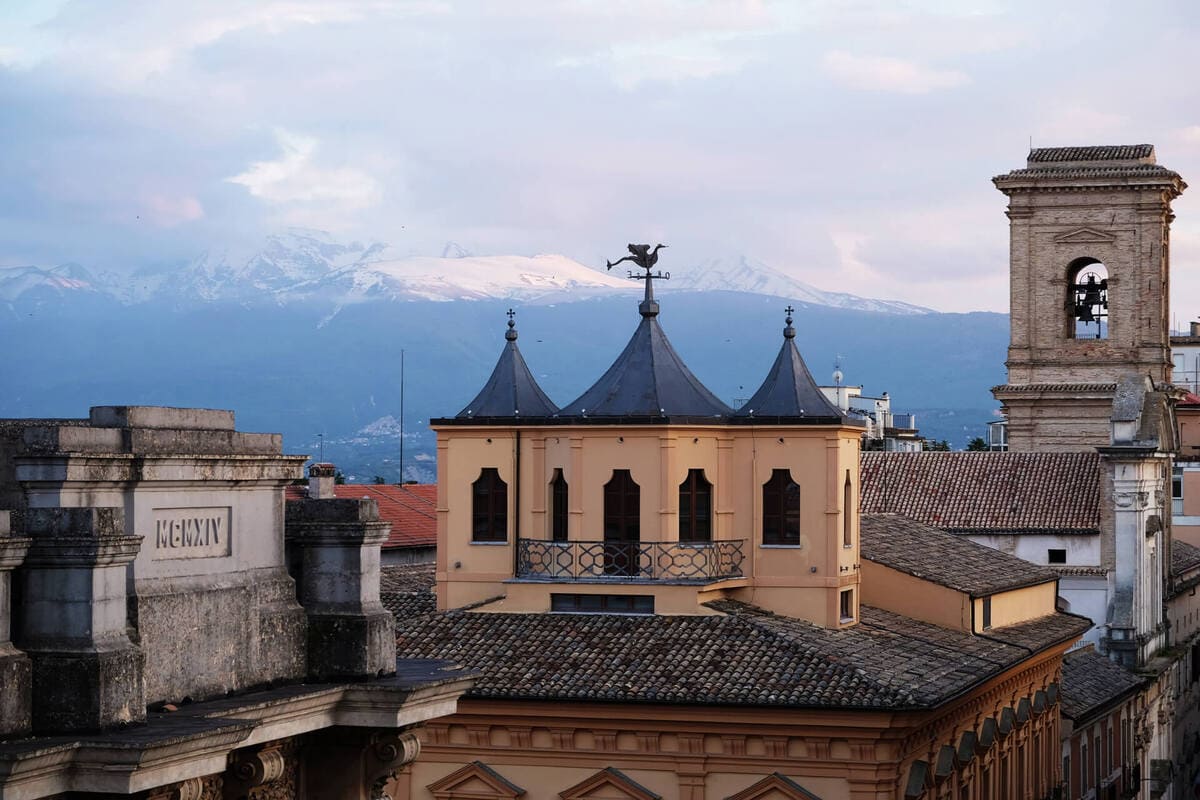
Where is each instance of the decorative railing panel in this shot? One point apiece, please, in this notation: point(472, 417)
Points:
point(680, 561)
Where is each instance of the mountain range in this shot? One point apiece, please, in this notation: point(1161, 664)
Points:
point(305, 336)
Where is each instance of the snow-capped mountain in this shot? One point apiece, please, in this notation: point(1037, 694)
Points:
point(743, 274)
point(304, 266)
point(16, 282)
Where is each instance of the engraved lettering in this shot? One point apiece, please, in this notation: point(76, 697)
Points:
point(191, 533)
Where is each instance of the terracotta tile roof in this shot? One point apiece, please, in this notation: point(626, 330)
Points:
point(942, 558)
point(986, 492)
point(1184, 557)
point(1120, 152)
point(406, 578)
point(1090, 682)
point(745, 656)
point(410, 508)
point(1098, 171)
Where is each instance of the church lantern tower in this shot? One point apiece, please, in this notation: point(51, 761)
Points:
point(1089, 264)
point(647, 494)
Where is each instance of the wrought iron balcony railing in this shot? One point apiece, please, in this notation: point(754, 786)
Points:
point(667, 561)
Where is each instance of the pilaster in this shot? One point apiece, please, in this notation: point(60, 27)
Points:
point(87, 674)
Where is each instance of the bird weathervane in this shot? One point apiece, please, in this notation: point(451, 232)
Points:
point(645, 258)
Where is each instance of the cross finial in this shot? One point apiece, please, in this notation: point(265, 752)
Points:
point(789, 332)
point(511, 333)
point(789, 311)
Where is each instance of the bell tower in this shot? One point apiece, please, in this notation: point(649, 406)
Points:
point(1089, 265)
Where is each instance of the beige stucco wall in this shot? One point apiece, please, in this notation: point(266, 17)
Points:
point(913, 597)
point(1018, 605)
point(801, 580)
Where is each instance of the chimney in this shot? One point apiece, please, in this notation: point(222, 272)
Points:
point(320, 481)
point(1195, 328)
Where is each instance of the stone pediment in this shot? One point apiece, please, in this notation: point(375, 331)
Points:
point(475, 781)
point(608, 784)
point(1084, 236)
point(774, 787)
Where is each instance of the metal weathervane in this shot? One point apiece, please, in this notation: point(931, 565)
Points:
point(645, 258)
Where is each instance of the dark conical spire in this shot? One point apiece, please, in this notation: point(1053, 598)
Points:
point(511, 391)
point(789, 393)
point(648, 379)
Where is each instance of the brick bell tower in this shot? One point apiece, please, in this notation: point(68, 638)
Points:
point(1089, 265)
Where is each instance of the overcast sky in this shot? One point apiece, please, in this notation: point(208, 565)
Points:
point(850, 144)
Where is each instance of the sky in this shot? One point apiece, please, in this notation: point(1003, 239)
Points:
point(850, 144)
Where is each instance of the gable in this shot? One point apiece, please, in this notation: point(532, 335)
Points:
point(1084, 236)
point(608, 784)
point(475, 781)
point(774, 787)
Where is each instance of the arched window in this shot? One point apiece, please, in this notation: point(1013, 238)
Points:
point(622, 525)
point(847, 513)
point(1087, 299)
point(781, 509)
point(489, 507)
point(558, 507)
point(622, 508)
point(695, 508)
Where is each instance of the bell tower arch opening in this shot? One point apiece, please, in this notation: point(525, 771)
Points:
point(1087, 299)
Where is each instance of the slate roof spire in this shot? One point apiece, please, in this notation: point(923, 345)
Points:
point(511, 391)
point(648, 379)
point(789, 393)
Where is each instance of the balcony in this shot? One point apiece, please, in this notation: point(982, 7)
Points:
point(680, 562)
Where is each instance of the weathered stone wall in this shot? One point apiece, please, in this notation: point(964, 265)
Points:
point(209, 599)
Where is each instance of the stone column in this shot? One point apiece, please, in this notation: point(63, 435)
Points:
point(350, 633)
point(87, 675)
point(15, 676)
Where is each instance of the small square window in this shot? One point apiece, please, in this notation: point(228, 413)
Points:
point(847, 605)
point(1056, 556)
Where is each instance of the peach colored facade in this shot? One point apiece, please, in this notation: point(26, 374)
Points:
point(709, 753)
point(803, 580)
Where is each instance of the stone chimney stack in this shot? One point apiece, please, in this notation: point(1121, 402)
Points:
point(321, 481)
point(1195, 328)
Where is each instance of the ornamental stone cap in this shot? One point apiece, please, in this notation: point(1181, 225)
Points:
point(322, 469)
point(204, 419)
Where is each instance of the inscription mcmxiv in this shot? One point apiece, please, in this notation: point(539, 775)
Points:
point(191, 532)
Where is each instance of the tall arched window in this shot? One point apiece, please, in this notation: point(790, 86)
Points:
point(622, 508)
point(781, 509)
point(558, 507)
point(847, 513)
point(622, 524)
point(489, 507)
point(695, 508)
point(1087, 299)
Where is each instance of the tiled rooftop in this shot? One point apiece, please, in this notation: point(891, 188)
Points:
point(1120, 152)
point(1184, 557)
point(986, 492)
point(1090, 681)
point(942, 558)
point(745, 656)
point(406, 578)
point(410, 508)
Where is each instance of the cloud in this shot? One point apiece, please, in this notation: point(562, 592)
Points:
point(294, 178)
point(884, 74)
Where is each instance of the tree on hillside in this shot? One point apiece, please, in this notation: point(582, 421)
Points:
point(937, 445)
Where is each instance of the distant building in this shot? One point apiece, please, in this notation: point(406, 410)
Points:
point(885, 430)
